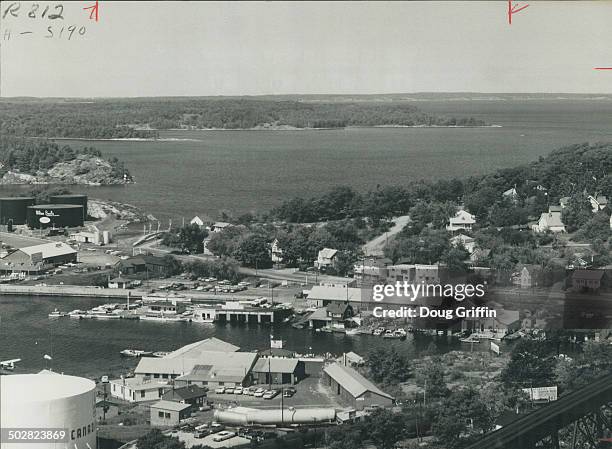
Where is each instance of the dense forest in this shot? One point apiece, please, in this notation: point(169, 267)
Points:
point(576, 170)
point(141, 117)
point(31, 156)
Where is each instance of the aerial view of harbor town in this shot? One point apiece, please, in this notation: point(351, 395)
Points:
point(351, 225)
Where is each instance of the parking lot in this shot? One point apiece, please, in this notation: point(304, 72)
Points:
point(309, 393)
point(190, 440)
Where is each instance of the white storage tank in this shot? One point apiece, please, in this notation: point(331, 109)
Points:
point(106, 237)
point(48, 401)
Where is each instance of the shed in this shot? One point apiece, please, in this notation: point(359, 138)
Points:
point(168, 413)
point(355, 389)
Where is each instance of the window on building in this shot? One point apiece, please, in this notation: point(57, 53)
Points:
point(160, 414)
point(165, 376)
point(142, 393)
point(156, 376)
point(221, 384)
point(167, 415)
point(160, 391)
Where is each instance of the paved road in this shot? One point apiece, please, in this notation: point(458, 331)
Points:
point(375, 246)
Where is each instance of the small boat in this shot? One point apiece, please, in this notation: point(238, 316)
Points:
point(379, 331)
point(394, 334)
point(353, 332)
point(57, 314)
point(135, 353)
point(469, 339)
point(160, 354)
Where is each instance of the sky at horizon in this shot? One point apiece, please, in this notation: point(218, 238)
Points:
point(140, 49)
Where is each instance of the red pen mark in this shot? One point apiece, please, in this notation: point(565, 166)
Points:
point(93, 14)
point(603, 68)
point(513, 9)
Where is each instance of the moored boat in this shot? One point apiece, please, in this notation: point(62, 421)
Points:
point(57, 314)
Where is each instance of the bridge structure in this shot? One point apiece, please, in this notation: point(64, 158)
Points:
point(586, 413)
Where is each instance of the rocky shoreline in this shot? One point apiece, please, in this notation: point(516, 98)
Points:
point(82, 170)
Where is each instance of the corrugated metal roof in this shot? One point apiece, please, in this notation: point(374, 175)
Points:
point(352, 381)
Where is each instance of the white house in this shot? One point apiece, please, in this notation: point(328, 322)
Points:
point(511, 194)
point(276, 252)
point(598, 202)
point(550, 221)
point(197, 221)
point(138, 390)
point(462, 220)
point(468, 242)
point(326, 258)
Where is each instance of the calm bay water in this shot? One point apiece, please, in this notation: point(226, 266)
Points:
point(255, 170)
point(91, 347)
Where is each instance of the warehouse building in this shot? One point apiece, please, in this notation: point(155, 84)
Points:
point(278, 371)
point(353, 388)
point(208, 363)
point(38, 258)
point(44, 216)
point(167, 413)
point(14, 210)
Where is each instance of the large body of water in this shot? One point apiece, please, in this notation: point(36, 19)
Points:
point(91, 347)
point(255, 170)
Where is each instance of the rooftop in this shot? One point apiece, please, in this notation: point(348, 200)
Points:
point(51, 249)
point(206, 345)
point(276, 365)
point(352, 381)
point(169, 405)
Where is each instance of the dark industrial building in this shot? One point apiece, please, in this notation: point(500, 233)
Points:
point(190, 394)
point(79, 200)
point(278, 371)
point(355, 389)
point(14, 210)
point(55, 215)
point(151, 265)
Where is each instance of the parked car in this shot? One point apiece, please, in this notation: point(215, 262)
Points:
point(271, 394)
point(289, 392)
point(222, 436)
point(220, 390)
point(229, 390)
point(238, 390)
point(259, 393)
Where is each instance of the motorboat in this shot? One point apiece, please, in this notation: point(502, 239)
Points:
point(57, 314)
point(135, 353)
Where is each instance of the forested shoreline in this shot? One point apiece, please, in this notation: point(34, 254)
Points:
point(143, 117)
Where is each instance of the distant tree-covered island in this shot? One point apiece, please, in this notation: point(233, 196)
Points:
point(143, 117)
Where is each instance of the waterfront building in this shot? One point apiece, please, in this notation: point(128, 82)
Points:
point(321, 295)
point(153, 266)
point(168, 413)
point(119, 282)
point(38, 258)
point(138, 389)
point(208, 369)
point(326, 258)
point(462, 221)
point(353, 388)
point(278, 371)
